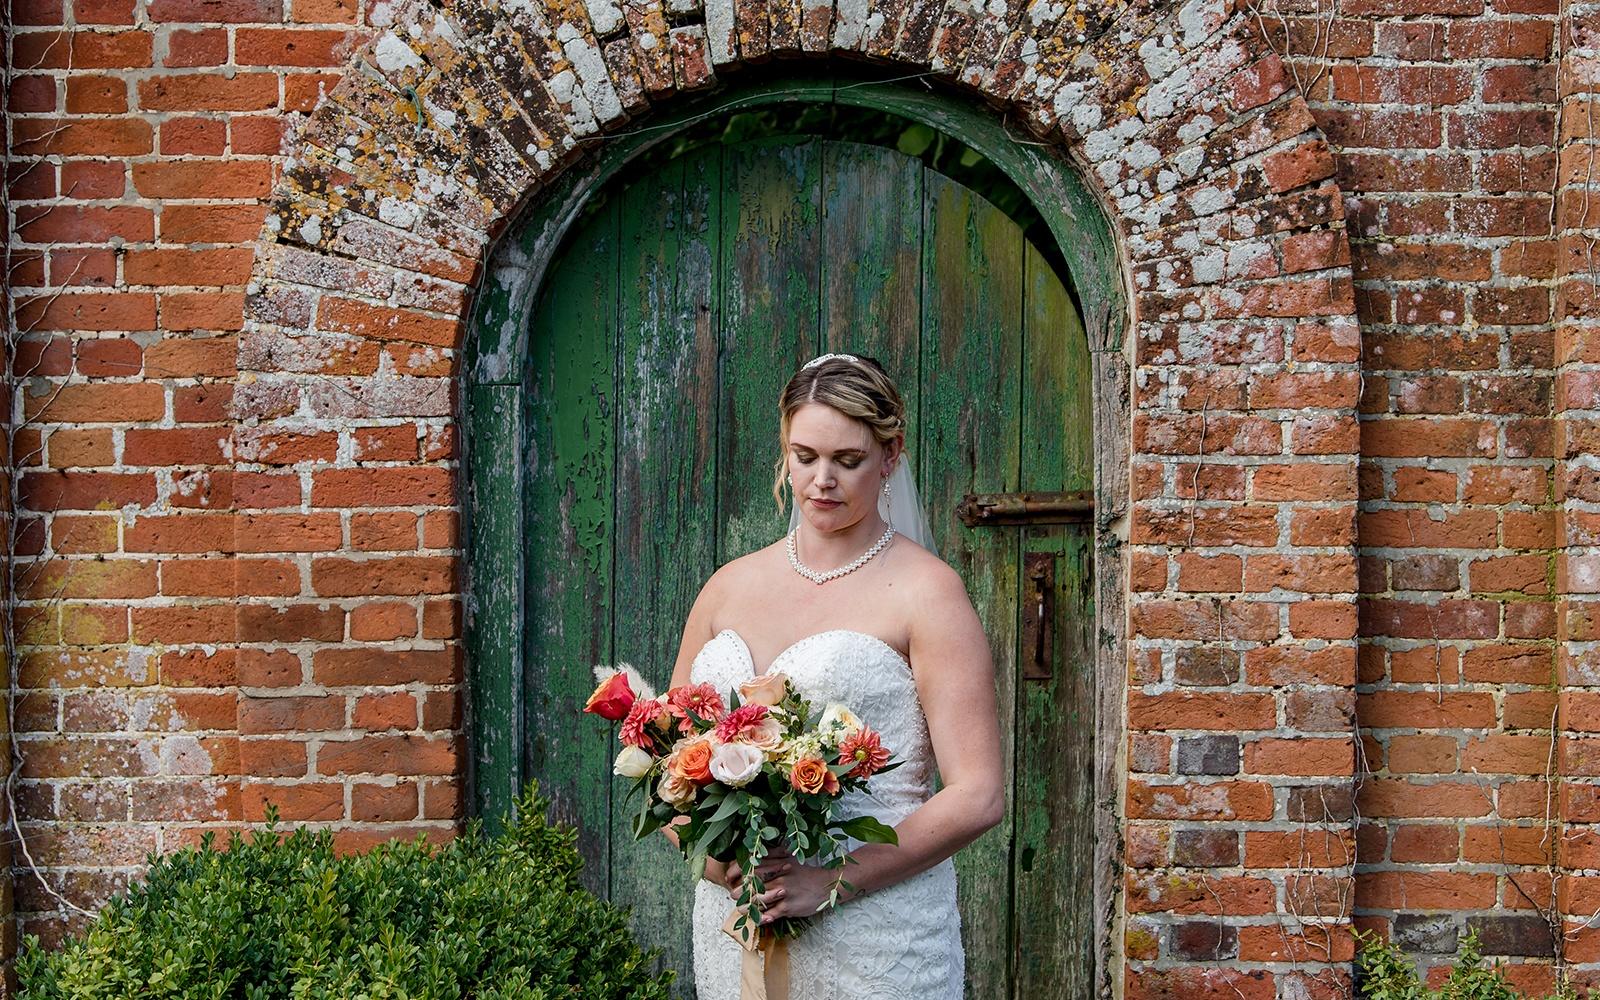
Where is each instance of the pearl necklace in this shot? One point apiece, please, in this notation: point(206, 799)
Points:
point(850, 567)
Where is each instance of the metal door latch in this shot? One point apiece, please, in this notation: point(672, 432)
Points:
point(1039, 616)
point(1036, 507)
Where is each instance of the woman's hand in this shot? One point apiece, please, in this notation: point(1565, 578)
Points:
point(795, 890)
point(777, 861)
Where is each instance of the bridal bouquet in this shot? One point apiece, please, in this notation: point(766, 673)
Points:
point(746, 772)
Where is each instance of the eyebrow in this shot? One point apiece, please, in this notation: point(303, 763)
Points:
point(842, 451)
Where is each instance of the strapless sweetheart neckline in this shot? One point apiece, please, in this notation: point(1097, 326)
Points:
point(750, 659)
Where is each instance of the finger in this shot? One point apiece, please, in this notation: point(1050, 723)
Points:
point(768, 871)
point(771, 898)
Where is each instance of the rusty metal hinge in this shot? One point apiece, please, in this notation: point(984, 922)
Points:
point(1025, 508)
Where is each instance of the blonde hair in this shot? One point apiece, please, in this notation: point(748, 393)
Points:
point(859, 389)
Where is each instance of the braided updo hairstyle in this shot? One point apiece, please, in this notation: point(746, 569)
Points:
point(861, 390)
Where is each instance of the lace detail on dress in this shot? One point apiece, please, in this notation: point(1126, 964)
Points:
point(901, 943)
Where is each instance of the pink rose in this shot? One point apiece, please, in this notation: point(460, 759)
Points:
point(736, 764)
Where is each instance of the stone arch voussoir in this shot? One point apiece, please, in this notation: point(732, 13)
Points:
point(1180, 116)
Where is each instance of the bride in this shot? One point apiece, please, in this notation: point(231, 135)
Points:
point(855, 611)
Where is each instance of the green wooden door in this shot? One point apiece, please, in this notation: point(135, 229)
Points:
point(667, 326)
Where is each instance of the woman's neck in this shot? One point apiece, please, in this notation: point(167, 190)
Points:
point(825, 550)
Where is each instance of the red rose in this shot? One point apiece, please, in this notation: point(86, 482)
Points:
point(612, 699)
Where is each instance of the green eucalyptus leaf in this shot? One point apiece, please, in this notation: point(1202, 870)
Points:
point(869, 830)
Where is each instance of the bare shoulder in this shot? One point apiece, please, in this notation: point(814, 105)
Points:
point(945, 631)
point(700, 625)
point(727, 581)
point(928, 580)
point(744, 569)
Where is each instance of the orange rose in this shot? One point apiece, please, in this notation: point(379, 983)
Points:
point(811, 775)
point(693, 761)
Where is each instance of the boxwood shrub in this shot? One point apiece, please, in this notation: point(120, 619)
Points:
point(498, 917)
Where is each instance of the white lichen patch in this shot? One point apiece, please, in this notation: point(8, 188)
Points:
point(393, 55)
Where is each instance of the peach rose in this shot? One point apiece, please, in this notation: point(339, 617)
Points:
point(675, 790)
point(769, 689)
point(766, 735)
point(811, 775)
point(693, 761)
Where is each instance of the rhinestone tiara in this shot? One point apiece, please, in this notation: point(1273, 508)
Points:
point(824, 357)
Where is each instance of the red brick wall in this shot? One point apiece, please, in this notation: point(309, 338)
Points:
point(1444, 116)
point(249, 594)
point(148, 137)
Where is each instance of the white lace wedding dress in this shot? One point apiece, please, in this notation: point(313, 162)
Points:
point(900, 943)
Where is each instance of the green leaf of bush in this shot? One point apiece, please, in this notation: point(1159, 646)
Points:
point(283, 918)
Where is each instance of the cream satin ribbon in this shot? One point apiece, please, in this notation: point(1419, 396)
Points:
point(763, 963)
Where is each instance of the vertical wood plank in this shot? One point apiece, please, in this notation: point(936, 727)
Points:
point(971, 360)
point(570, 533)
point(1113, 386)
point(872, 261)
point(666, 472)
point(771, 227)
point(494, 607)
point(1054, 802)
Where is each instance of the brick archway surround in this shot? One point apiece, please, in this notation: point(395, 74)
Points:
point(1243, 351)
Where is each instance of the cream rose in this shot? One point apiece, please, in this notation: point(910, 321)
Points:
point(736, 764)
point(675, 790)
point(838, 721)
point(632, 763)
point(768, 689)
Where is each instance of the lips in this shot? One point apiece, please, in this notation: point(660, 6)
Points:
point(824, 503)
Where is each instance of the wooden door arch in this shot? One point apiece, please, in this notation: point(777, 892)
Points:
point(510, 701)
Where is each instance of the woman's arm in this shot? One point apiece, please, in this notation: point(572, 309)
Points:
point(955, 683)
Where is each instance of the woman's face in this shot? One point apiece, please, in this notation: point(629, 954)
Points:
point(836, 465)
